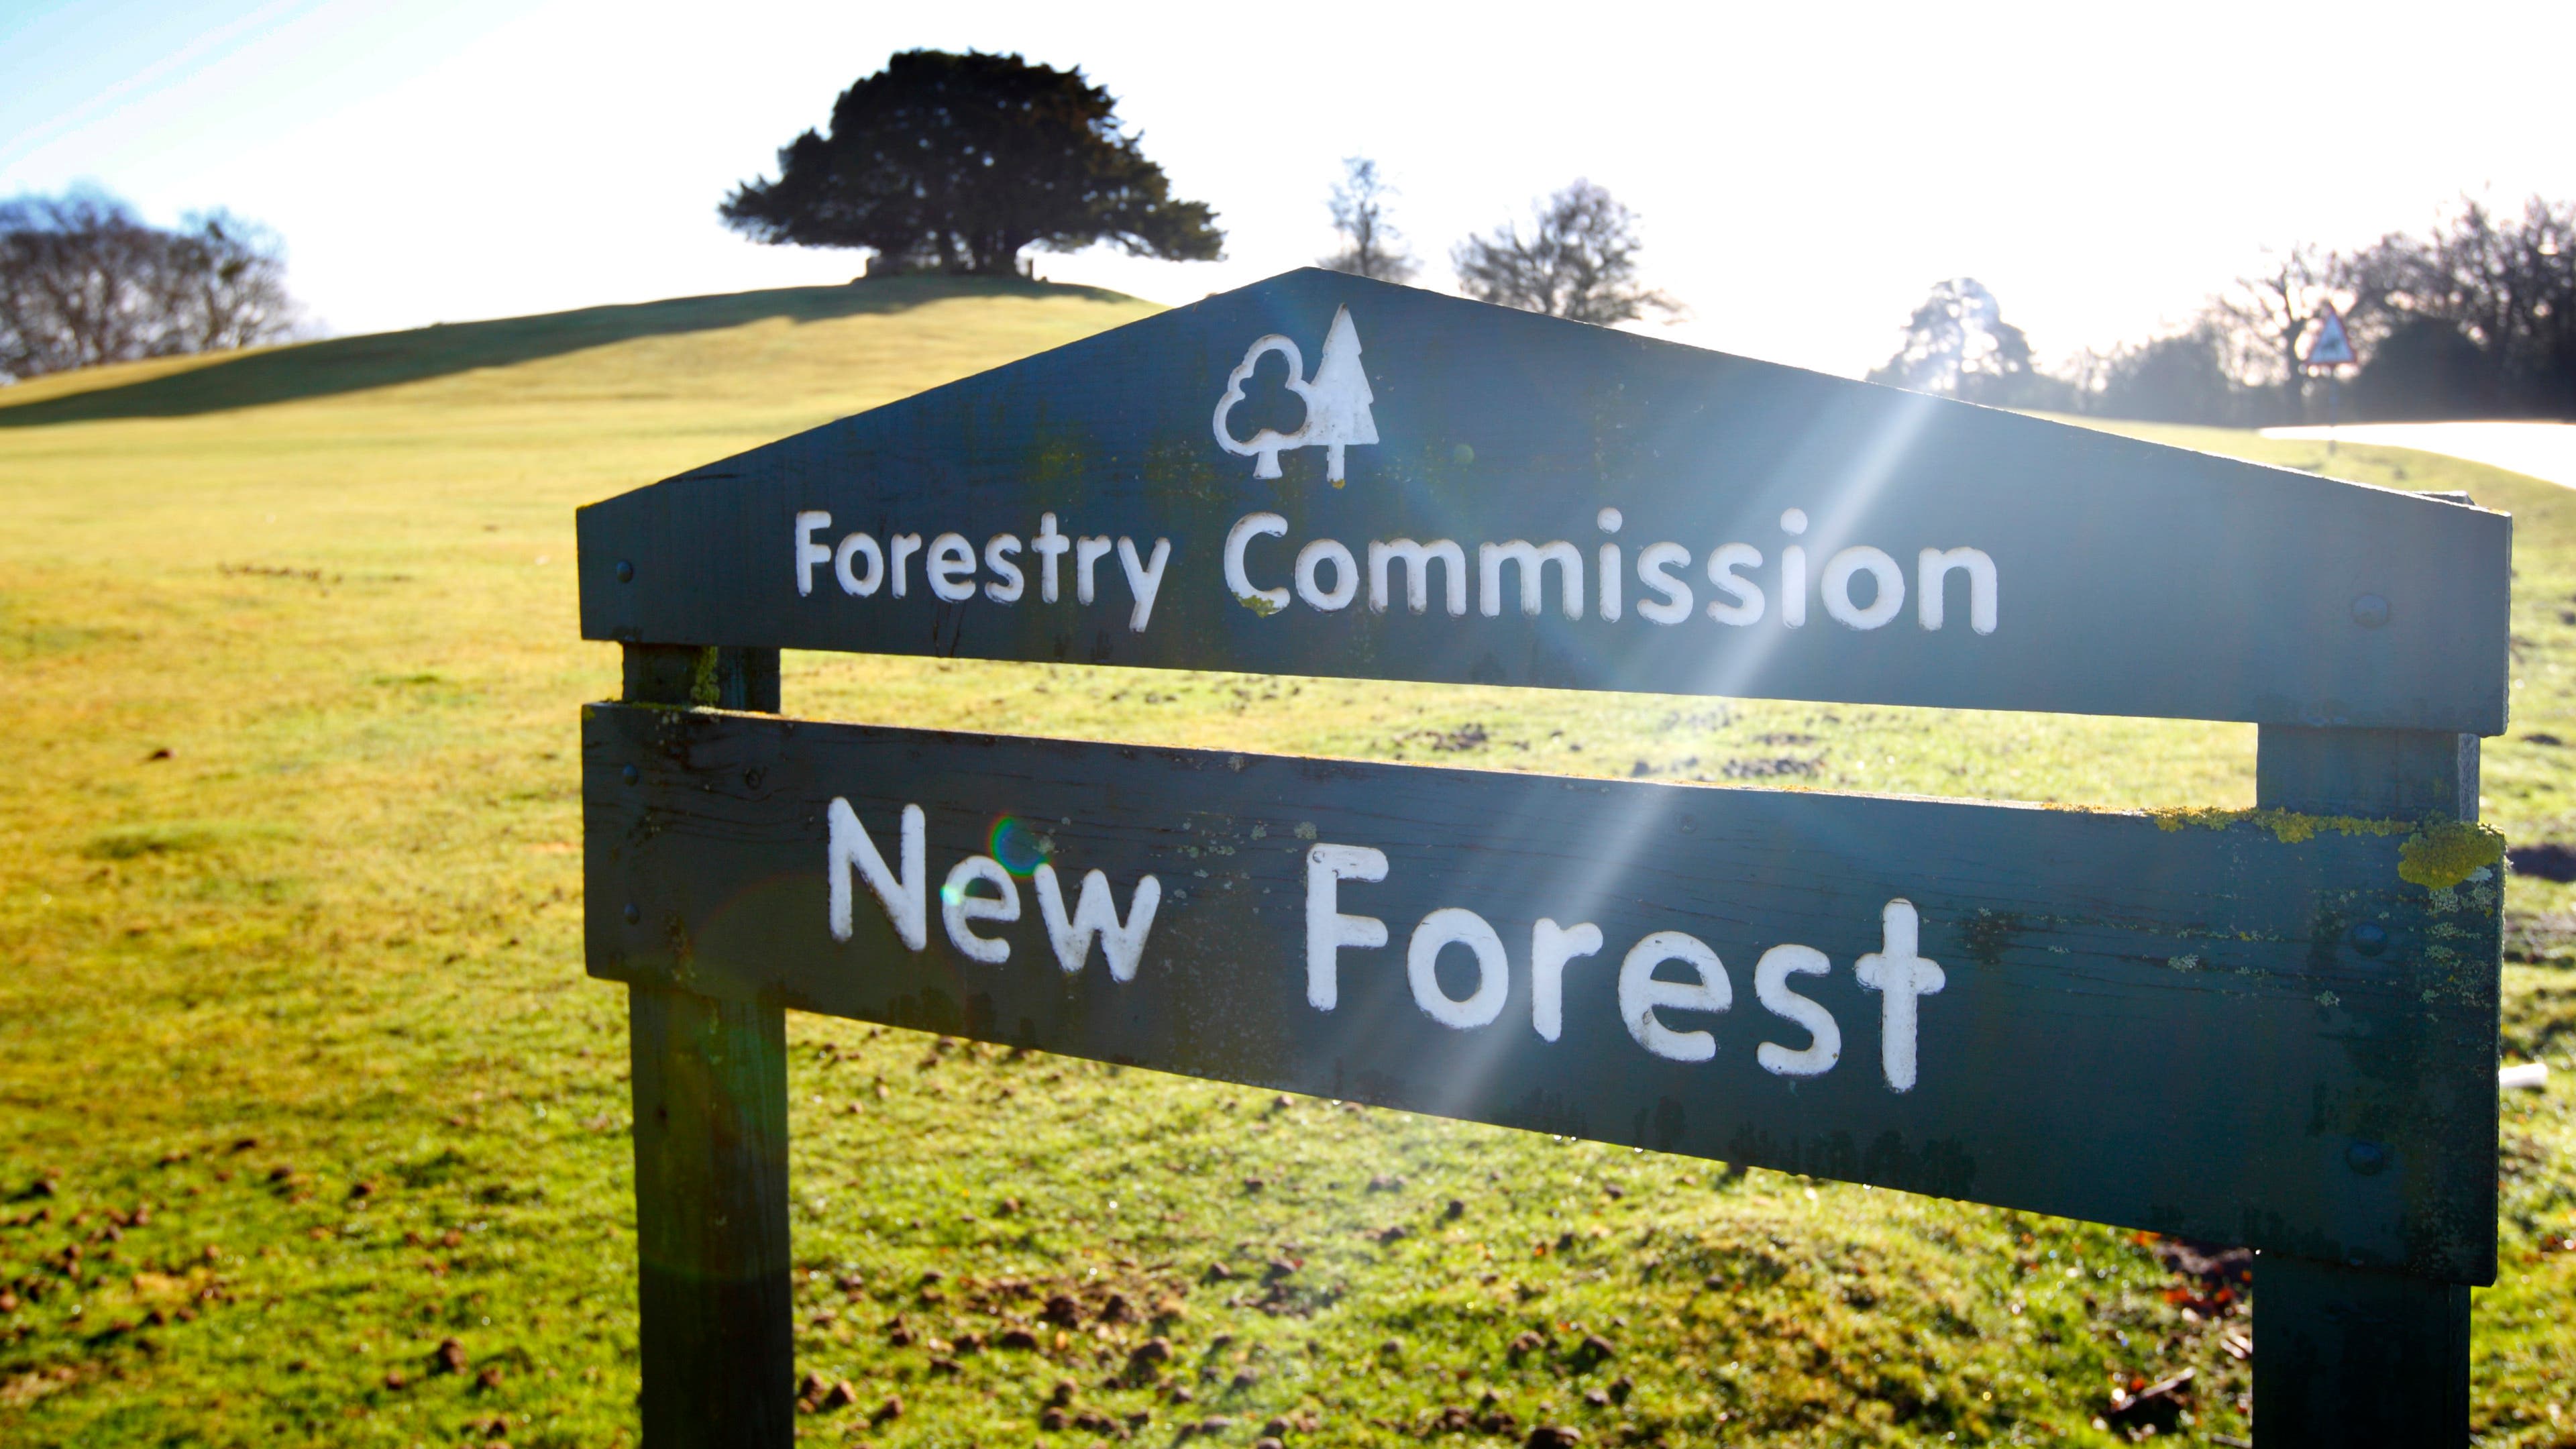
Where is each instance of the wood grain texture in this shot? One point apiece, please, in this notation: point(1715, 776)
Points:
point(2352, 1355)
point(702, 676)
point(2133, 579)
point(715, 1308)
point(2145, 1022)
point(2399, 774)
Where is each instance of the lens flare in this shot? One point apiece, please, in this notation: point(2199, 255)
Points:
point(1020, 849)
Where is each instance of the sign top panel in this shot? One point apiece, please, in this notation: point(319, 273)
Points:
point(1326, 475)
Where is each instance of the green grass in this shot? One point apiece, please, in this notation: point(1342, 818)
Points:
point(295, 1047)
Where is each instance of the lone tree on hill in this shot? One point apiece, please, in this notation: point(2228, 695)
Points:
point(1957, 344)
point(1579, 263)
point(1375, 248)
point(957, 162)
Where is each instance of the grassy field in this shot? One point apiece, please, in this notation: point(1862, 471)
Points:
point(304, 1084)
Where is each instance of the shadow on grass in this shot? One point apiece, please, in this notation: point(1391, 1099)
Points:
point(353, 364)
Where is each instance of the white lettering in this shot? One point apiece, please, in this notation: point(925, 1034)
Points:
point(808, 552)
point(849, 848)
point(1320, 575)
point(1551, 946)
point(1417, 559)
point(1793, 571)
point(1895, 970)
point(1346, 575)
point(851, 547)
point(1144, 579)
point(1932, 572)
point(1653, 562)
point(998, 552)
point(1861, 558)
point(1050, 546)
point(1771, 985)
point(1641, 993)
point(951, 559)
point(1328, 931)
point(1086, 553)
point(905, 545)
point(1325, 575)
point(1450, 926)
point(1748, 605)
point(1608, 578)
point(1608, 520)
point(1532, 561)
point(1238, 538)
point(960, 907)
point(1096, 914)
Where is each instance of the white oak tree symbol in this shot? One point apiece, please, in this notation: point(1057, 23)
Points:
point(1265, 444)
point(1337, 401)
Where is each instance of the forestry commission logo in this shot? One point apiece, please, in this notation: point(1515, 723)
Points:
point(1337, 401)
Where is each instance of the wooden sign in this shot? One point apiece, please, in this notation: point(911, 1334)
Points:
point(2274, 1028)
point(1325, 475)
point(2029, 1007)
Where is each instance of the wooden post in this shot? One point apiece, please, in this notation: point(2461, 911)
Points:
point(2345, 1356)
point(717, 1333)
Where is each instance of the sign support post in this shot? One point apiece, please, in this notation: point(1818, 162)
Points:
point(2329, 352)
point(2347, 1355)
point(717, 1333)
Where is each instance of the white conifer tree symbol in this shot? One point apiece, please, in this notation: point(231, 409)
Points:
point(1338, 399)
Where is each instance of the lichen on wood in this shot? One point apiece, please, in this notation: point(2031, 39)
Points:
point(2290, 827)
point(2440, 856)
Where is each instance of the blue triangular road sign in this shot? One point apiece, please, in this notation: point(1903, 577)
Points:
point(2329, 346)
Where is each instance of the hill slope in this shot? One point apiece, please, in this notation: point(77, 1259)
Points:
point(289, 902)
point(790, 343)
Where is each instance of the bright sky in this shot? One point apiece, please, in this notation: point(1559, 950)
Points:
point(1804, 173)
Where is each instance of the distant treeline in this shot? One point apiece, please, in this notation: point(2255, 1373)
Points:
point(2474, 318)
point(84, 281)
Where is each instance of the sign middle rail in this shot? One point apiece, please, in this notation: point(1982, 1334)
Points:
point(2257, 1028)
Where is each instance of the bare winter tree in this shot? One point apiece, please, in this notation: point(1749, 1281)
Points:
point(1373, 247)
point(2474, 317)
point(76, 284)
point(2261, 321)
point(83, 281)
point(2505, 283)
point(227, 284)
point(1580, 262)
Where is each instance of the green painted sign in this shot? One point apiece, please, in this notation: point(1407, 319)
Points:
point(1325, 475)
point(2266, 1030)
point(2274, 1028)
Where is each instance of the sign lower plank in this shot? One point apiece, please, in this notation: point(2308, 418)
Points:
point(1326, 475)
point(2274, 1031)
